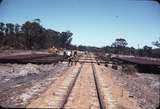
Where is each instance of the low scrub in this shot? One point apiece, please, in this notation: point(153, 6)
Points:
point(115, 67)
point(129, 69)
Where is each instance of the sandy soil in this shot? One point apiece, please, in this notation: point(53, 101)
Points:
point(138, 91)
point(20, 83)
point(114, 96)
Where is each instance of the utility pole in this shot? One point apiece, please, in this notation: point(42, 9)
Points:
point(138, 49)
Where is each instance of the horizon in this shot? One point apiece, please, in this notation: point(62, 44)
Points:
point(92, 23)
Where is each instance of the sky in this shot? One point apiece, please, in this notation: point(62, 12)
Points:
point(92, 22)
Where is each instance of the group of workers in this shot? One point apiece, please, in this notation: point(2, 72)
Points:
point(72, 57)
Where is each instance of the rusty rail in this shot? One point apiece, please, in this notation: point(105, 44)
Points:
point(70, 88)
point(99, 94)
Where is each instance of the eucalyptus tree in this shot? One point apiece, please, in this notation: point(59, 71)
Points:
point(65, 39)
point(157, 43)
point(10, 28)
point(2, 28)
point(31, 31)
point(119, 45)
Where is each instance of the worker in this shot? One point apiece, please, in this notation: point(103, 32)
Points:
point(70, 57)
point(64, 54)
point(75, 53)
point(69, 53)
point(75, 57)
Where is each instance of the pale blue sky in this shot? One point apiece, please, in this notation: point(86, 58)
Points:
point(93, 22)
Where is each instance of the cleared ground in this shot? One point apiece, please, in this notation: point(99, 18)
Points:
point(20, 83)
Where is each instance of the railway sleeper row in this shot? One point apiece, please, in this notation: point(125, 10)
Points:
point(60, 97)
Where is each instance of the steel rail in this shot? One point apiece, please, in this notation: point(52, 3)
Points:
point(70, 88)
point(99, 94)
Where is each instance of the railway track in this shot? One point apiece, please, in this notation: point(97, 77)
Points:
point(81, 86)
point(79, 89)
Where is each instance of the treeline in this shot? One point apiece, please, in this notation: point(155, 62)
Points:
point(32, 35)
point(119, 46)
